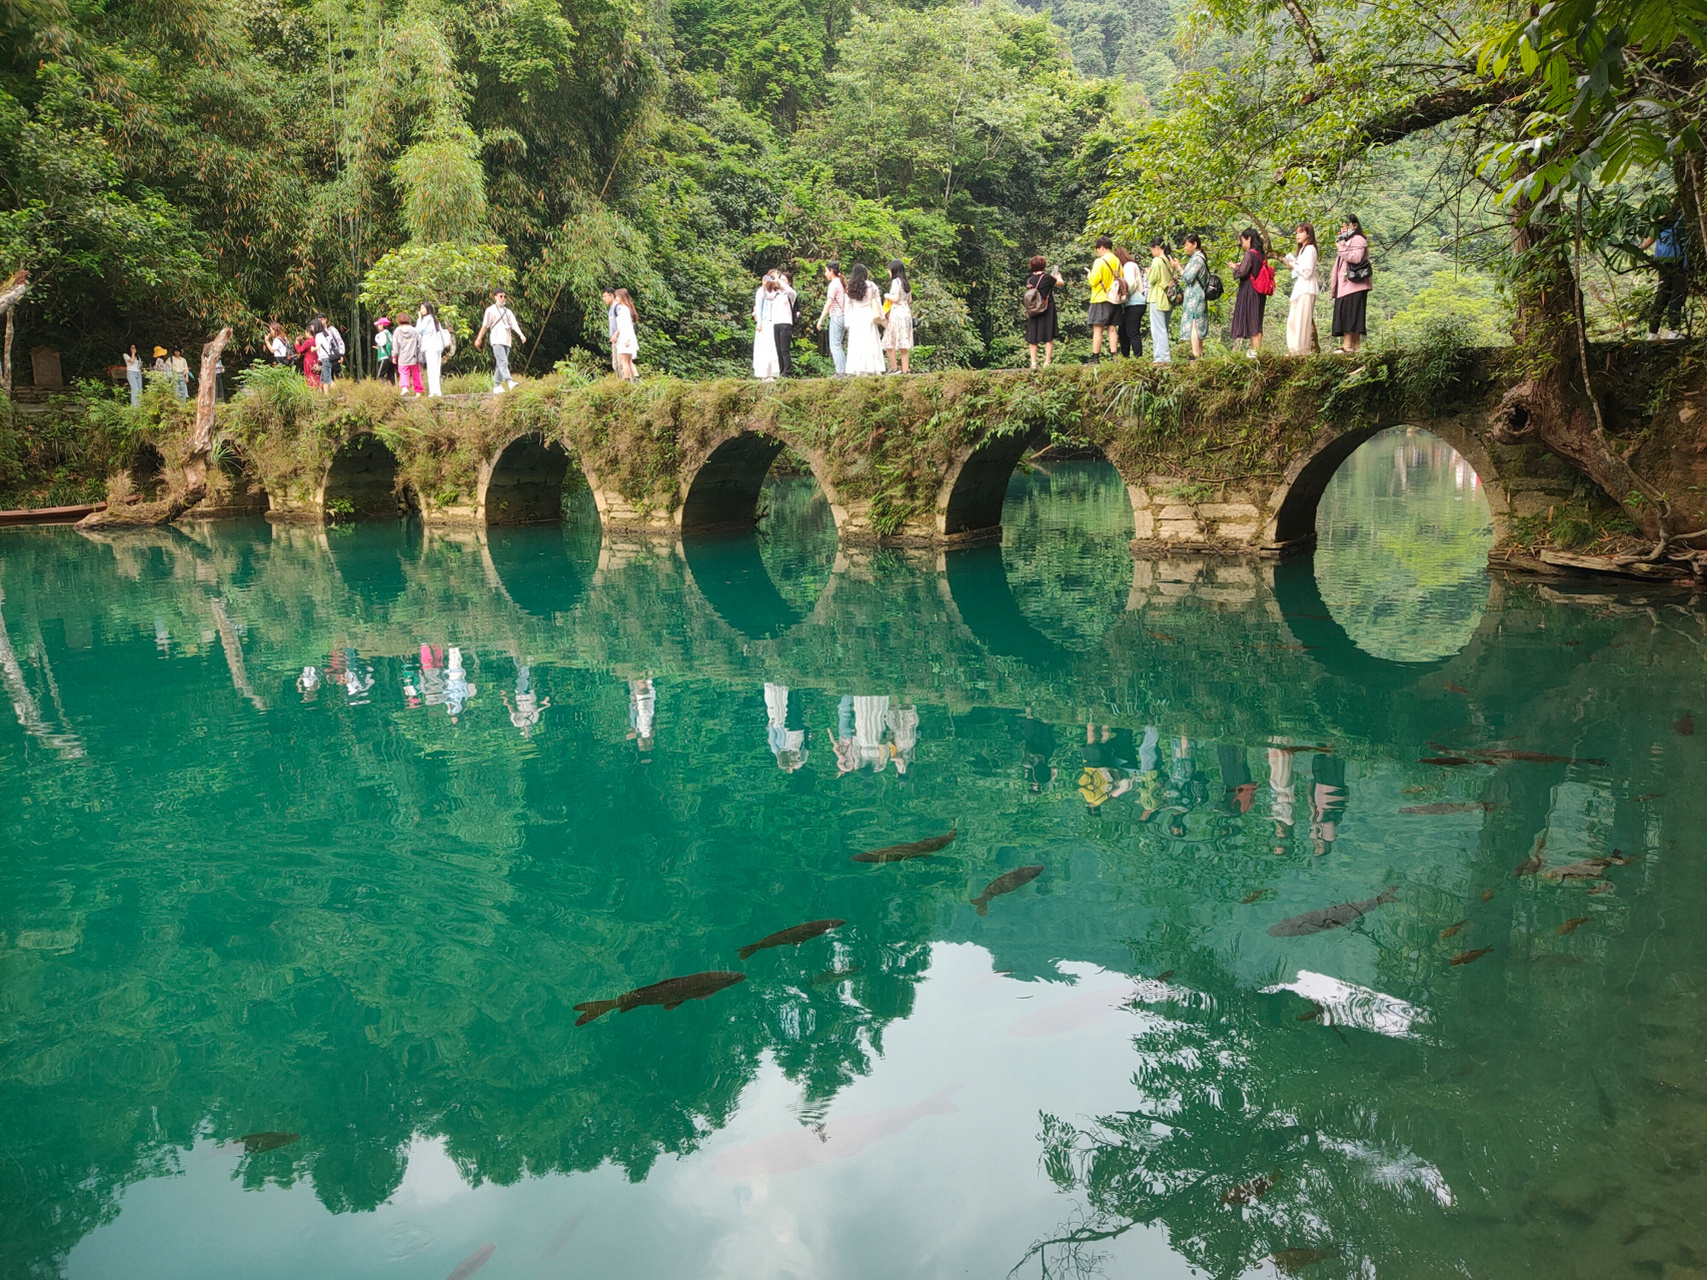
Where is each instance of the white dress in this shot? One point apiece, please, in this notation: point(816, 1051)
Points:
point(865, 347)
point(766, 308)
point(1301, 314)
point(898, 333)
point(627, 341)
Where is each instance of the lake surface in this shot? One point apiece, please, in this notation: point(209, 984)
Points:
point(313, 842)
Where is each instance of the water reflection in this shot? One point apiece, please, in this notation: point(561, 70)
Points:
point(362, 908)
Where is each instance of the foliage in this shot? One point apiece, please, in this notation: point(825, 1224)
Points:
point(456, 277)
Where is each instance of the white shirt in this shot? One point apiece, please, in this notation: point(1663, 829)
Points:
point(1133, 274)
point(501, 324)
point(432, 336)
point(1303, 264)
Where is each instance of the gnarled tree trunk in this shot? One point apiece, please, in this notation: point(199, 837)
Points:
point(11, 294)
point(200, 450)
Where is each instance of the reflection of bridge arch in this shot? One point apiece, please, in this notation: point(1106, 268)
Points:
point(975, 582)
point(371, 560)
point(361, 482)
point(729, 572)
point(537, 569)
point(1293, 504)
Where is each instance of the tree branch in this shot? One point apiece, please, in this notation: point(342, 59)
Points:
point(1417, 116)
point(1306, 29)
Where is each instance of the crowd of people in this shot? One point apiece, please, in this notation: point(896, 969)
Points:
point(171, 368)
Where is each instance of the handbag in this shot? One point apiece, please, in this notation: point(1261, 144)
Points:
point(1361, 272)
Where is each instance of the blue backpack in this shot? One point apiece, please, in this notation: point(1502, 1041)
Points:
point(1666, 245)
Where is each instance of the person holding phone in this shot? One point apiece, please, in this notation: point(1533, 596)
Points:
point(1354, 276)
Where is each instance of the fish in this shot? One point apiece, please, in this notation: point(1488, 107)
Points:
point(1163, 636)
point(1452, 806)
point(1488, 895)
point(669, 993)
point(560, 1237)
point(1164, 975)
point(1007, 882)
point(255, 1143)
point(901, 852)
point(1311, 1014)
point(837, 975)
point(1456, 688)
point(1535, 757)
point(1585, 869)
point(791, 937)
point(1534, 862)
point(1258, 896)
point(1652, 795)
point(1572, 925)
point(1470, 957)
point(1450, 762)
point(1620, 858)
point(473, 1262)
point(1326, 747)
point(1249, 1192)
point(1329, 917)
point(799, 1149)
point(1288, 1261)
point(1451, 930)
point(1077, 1012)
point(1288, 648)
point(1416, 791)
point(1685, 726)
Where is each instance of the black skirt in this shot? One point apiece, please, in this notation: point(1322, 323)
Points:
point(1042, 327)
point(1248, 308)
point(1351, 313)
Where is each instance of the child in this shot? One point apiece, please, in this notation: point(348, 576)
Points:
point(407, 349)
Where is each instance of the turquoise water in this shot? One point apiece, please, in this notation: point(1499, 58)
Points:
point(348, 913)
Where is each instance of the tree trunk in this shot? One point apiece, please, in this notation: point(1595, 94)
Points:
point(10, 296)
point(195, 461)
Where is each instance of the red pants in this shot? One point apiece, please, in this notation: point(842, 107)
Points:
point(409, 379)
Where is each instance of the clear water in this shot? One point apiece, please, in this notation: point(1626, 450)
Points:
point(237, 902)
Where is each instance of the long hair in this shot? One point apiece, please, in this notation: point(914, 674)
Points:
point(1352, 222)
point(431, 310)
point(1121, 256)
point(898, 271)
point(1309, 231)
point(623, 300)
point(1253, 237)
point(859, 282)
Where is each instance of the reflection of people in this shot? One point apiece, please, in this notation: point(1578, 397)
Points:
point(457, 689)
point(787, 744)
point(1149, 781)
point(1105, 776)
point(903, 725)
point(642, 712)
point(842, 740)
point(356, 680)
point(869, 746)
point(308, 683)
point(1037, 737)
point(1240, 792)
point(1280, 782)
point(1328, 799)
point(526, 710)
point(432, 674)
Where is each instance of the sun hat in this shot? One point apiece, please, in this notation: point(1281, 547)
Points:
point(159, 351)
point(384, 322)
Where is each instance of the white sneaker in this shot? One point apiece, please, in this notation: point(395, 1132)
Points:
point(1250, 355)
point(512, 382)
point(498, 391)
point(1670, 335)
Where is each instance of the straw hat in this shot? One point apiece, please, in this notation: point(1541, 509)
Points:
point(159, 351)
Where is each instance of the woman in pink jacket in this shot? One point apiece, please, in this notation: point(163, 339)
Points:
point(1354, 274)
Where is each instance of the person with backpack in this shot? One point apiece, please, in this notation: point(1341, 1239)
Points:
point(1256, 282)
point(1134, 303)
point(1353, 277)
point(1041, 326)
point(505, 329)
point(434, 338)
point(1104, 280)
point(1194, 295)
point(407, 349)
point(384, 363)
point(1671, 259)
point(1163, 282)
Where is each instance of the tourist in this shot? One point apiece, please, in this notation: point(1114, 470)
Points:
point(1042, 325)
point(432, 336)
point(329, 342)
point(786, 744)
point(181, 375)
point(898, 329)
point(627, 336)
point(310, 358)
point(1162, 279)
point(1250, 271)
point(133, 375)
point(842, 741)
point(835, 302)
point(384, 351)
point(457, 689)
point(1328, 800)
point(902, 723)
point(770, 304)
point(870, 720)
point(526, 710)
point(642, 715)
point(1671, 289)
point(864, 311)
point(408, 352)
point(1301, 315)
point(1194, 295)
point(1104, 314)
point(1037, 743)
point(506, 330)
point(278, 343)
point(1280, 785)
point(219, 379)
point(1134, 304)
point(1353, 277)
point(782, 332)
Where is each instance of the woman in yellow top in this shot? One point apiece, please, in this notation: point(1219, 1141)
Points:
point(1105, 305)
point(1164, 271)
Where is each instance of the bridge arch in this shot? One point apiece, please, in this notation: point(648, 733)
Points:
point(969, 500)
point(524, 482)
point(1292, 506)
point(361, 482)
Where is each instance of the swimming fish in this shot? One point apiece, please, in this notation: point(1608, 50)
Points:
point(1535, 757)
point(1456, 688)
point(1487, 895)
point(1620, 859)
point(791, 937)
point(1163, 636)
point(1289, 1261)
point(1603, 1100)
point(1327, 747)
point(837, 975)
point(1685, 726)
point(1164, 975)
point(254, 1143)
point(1586, 869)
point(1416, 791)
point(1534, 862)
point(473, 1262)
point(1311, 1014)
point(1329, 917)
point(1652, 795)
point(669, 993)
point(1573, 924)
point(1450, 762)
point(901, 852)
point(1007, 882)
point(1254, 897)
point(1249, 1192)
point(1470, 957)
point(1455, 806)
point(1451, 930)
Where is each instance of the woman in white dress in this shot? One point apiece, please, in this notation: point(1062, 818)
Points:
point(770, 307)
point(1301, 315)
point(898, 334)
point(432, 335)
point(861, 314)
point(627, 340)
